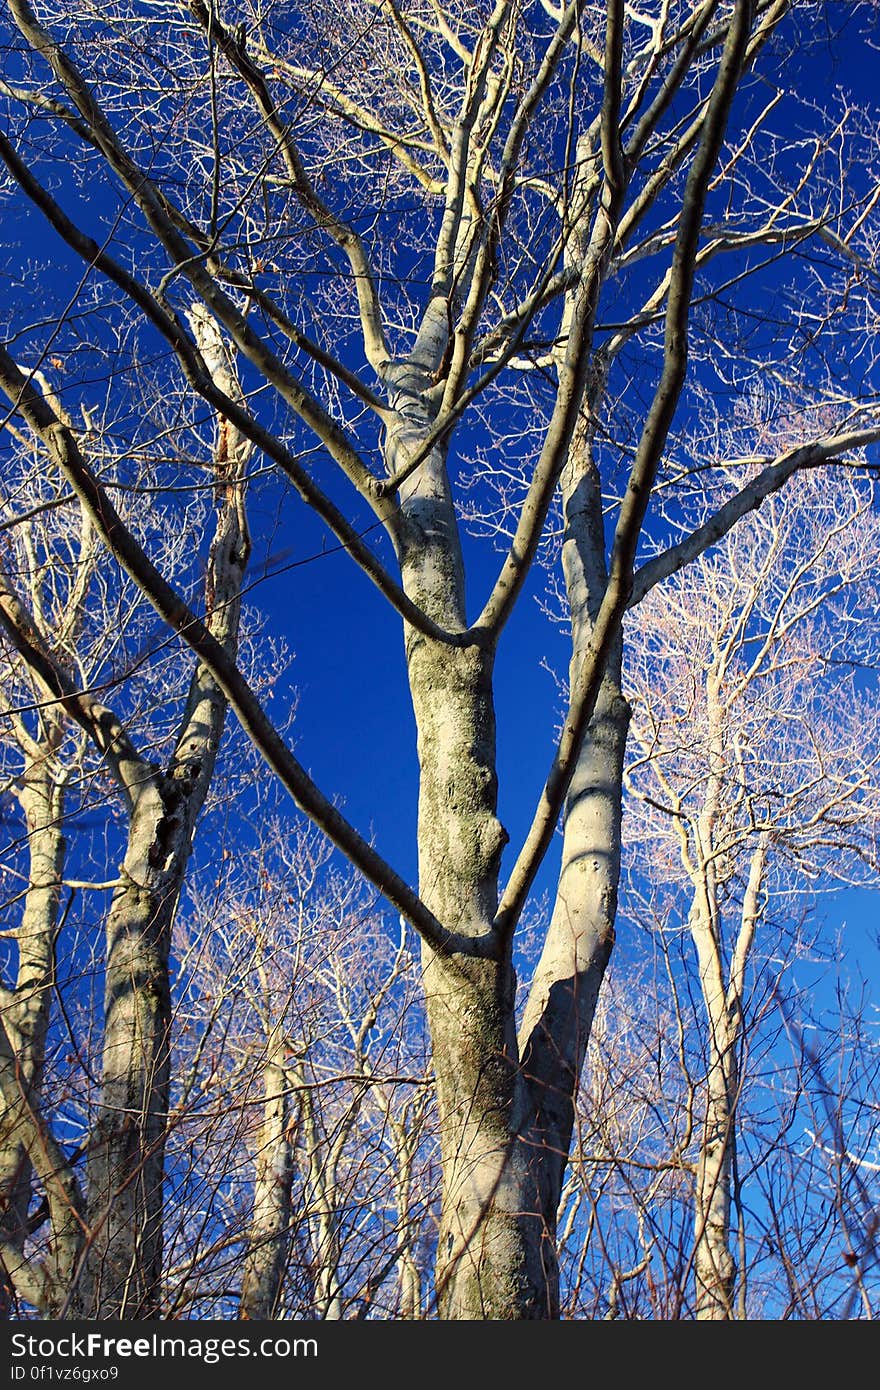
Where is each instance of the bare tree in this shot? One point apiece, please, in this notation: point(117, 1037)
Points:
point(39, 759)
point(755, 776)
point(802, 1230)
point(485, 240)
point(315, 1112)
point(113, 1231)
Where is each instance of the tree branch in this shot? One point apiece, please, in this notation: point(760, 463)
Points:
point(175, 612)
point(769, 480)
point(59, 1181)
point(635, 502)
point(165, 223)
point(169, 325)
point(345, 236)
point(100, 723)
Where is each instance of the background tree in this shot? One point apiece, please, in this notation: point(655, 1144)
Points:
point(40, 758)
point(803, 1233)
point(595, 192)
point(758, 757)
point(58, 618)
point(300, 1140)
point(753, 793)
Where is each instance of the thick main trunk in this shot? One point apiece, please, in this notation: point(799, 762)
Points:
point(26, 1014)
point(123, 1265)
point(493, 1258)
point(125, 1167)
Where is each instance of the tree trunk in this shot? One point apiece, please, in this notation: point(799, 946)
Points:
point(122, 1275)
point(409, 1274)
point(714, 1264)
point(125, 1169)
point(559, 1012)
point(322, 1200)
point(269, 1233)
point(126, 1149)
point(494, 1258)
point(26, 1012)
point(46, 1286)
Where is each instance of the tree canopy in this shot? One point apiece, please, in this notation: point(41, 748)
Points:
point(502, 301)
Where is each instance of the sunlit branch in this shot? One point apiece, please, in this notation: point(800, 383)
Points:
point(345, 236)
point(771, 477)
point(485, 263)
point(585, 688)
point(354, 113)
point(99, 722)
point(154, 207)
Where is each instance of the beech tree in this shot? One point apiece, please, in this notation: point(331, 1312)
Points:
point(39, 759)
point(752, 794)
point(302, 1118)
point(60, 620)
point(801, 1227)
point(757, 759)
point(449, 245)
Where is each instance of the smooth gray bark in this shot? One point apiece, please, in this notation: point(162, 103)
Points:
point(493, 1260)
point(47, 1285)
point(126, 1148)
point(558, 1016)
point(323, 1196)
point(268, 1240)
point(715, 1270)
point(409, 1272)
point(26, 1011)
point(123, 1265)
